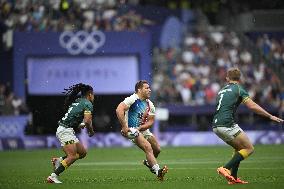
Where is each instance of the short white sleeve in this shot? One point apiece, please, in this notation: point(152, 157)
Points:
point(130, 100)
point(152, 108)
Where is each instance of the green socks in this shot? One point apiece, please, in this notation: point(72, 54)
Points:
point(237, 158)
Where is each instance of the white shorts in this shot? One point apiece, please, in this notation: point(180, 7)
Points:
point(147, 134)
point(227, 134)
point(66, 135)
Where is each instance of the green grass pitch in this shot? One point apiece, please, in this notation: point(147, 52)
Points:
point(121, 168)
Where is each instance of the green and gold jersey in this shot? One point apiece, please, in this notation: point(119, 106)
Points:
point(228, 100)
point(75, 113)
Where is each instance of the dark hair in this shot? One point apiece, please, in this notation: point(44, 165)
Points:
point(72, 92)
point(139, 85)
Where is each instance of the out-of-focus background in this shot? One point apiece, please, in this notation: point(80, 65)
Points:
point(183, 48)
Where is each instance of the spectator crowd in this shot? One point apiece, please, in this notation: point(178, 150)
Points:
point(190, 74)
point(193, 73)
point(61, 15)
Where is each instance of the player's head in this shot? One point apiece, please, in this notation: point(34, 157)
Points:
point(142, 88)
point(233, 74)
point(88, 92)
point(72, 92)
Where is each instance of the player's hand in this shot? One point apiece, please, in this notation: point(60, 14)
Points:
point(276, 119)
point(124, 131)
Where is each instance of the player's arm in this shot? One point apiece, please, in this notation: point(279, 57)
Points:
point(120, 113)
point(148, 124)
point(259, 110)
point(88, 123)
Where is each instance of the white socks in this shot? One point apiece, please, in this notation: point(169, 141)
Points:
point(156, 168)
point(53, 175)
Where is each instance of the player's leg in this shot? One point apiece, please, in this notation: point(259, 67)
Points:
point(68, 142)
point(234, 170)
point(62, 134)
point(228, 135)
point(157, 150)
point(234, 173)
point(243, 149)
point(155, 145)
point(81, 150)
point(73, 152)
point(142, 143)
point(72, 155)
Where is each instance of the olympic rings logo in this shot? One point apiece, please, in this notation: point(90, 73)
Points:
point(82, 42)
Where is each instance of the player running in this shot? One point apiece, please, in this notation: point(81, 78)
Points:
point(79, 115)
point(138, 112)
point(226, 128)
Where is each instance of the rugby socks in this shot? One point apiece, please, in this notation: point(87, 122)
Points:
point(237, 158)
point(63, 165)
point(244, 153)
point(234, 171)
point(156, 168)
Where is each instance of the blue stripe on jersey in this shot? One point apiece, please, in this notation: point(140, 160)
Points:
point(135, 113)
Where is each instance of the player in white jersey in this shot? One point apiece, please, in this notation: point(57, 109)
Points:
point(138, 112)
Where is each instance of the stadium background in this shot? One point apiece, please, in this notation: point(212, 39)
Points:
point(182, 48)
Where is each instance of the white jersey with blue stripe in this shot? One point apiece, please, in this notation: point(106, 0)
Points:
point(138, 110)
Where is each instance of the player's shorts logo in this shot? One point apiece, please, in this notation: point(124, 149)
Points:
point(82, 41)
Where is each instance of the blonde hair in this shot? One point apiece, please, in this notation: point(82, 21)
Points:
point(234, 74)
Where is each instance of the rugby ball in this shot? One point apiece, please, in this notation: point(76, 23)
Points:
point(133, 133)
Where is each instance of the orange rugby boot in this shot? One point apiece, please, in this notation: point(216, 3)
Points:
point(226, 174)
point(238, 181)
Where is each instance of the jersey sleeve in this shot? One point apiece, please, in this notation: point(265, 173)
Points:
point(130, 100)
point(88, 108)
point(152, 108)
point(244, 94)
